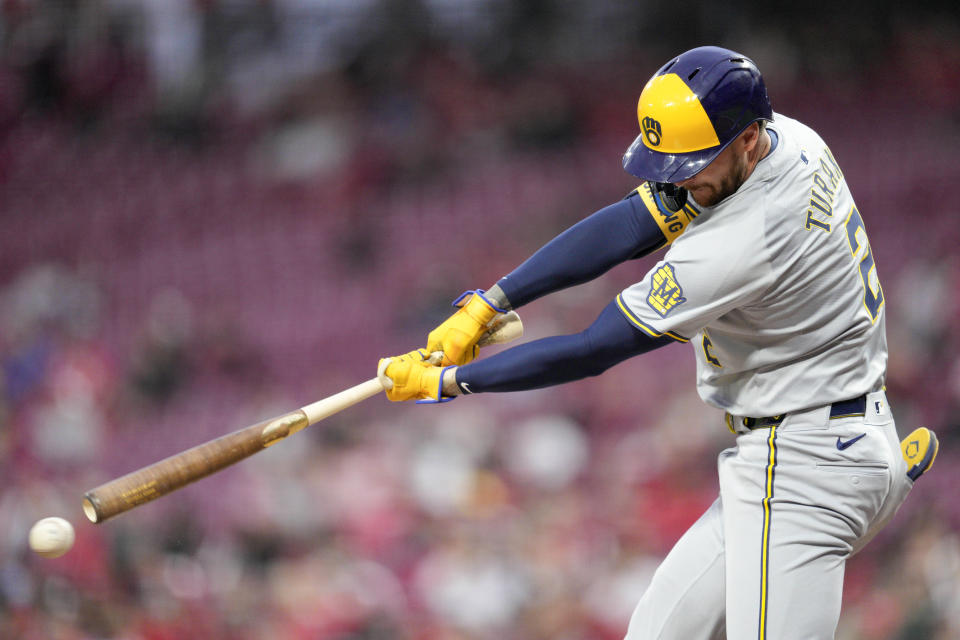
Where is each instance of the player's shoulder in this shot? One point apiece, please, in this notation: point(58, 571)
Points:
point(791, 126)
point(800, 153)
point(672, 216)
point(800, 183)
point(794, 141)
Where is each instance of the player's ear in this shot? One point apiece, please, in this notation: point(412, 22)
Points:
point(750, 137)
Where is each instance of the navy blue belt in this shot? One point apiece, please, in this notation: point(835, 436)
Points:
point(842, 409)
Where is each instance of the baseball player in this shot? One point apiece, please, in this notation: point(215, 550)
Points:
point(770, 277)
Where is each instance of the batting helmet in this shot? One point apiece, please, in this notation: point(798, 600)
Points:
point(691, 109)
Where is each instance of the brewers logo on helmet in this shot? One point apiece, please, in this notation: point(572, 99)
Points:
point(691, 109)
point(651, 129)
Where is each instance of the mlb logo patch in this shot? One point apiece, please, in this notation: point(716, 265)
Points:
point(665, 292)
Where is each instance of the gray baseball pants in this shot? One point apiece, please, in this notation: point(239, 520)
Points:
point(767, 559)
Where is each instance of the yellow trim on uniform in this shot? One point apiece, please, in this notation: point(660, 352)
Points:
point(672, 118)
point(671, 224)
point(640, 324)
point(765, 551)
point(868, 255)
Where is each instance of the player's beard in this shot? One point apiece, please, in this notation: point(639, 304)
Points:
point(708, 195)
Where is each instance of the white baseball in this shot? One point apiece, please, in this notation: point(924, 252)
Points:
point(51, 537)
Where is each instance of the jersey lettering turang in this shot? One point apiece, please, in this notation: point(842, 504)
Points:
point(775, 287)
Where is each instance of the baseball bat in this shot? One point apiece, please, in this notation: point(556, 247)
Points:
point(167, 475)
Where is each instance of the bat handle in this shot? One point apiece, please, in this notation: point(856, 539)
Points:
point(325, 408)
point(504, 328)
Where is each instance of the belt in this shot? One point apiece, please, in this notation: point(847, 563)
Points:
point(842, 409)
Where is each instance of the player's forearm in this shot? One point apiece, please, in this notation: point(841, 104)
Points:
point(555, 360)
point(586, 250)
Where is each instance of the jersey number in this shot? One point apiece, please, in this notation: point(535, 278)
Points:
point(860, 248)
point(708, 354)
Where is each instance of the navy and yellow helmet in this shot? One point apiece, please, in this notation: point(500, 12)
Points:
point(691, 109)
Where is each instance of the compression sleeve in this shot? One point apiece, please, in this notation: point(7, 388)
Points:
point(614, 234)
point(550, 361)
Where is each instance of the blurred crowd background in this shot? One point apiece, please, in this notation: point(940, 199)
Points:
point(215, 211)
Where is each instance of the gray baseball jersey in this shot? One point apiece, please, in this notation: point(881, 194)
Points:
point(777, 289)
point(775, 286)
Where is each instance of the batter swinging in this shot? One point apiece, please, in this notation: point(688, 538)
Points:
point(769, 274)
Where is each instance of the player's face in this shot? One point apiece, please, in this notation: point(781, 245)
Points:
point(729, 170)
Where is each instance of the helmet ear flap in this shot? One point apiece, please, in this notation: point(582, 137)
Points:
point(672, 196)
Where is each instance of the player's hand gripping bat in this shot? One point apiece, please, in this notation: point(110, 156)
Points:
point(170, 474)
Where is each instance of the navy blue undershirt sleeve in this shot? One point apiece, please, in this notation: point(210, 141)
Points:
point(550, 361)
point(614, 234)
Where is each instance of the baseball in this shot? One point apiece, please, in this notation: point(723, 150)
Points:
point(51, 537)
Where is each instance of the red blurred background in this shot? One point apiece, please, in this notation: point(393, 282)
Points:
point(215, 211)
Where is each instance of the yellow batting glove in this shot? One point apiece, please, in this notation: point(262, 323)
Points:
point(411, 376)
point(458, 335)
